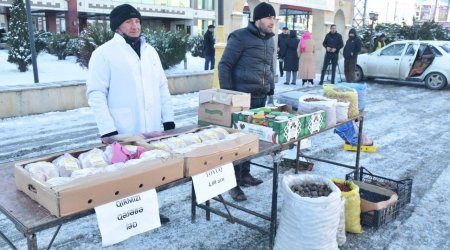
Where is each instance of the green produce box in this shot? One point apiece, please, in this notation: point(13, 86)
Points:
point(314, 123)
point(276, 131)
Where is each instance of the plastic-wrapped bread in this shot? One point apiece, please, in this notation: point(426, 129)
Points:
point(93, 159)
point(153, 154)
point(114, 167)
point(160, 145)
point(58, 181)
point(42, 170)
point(221, 132)
point(208, 134)
point(175, 142)
point(85, 172)
point(190, 138)
point(66, 164)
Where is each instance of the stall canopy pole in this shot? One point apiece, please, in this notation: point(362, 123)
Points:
point(31, 38)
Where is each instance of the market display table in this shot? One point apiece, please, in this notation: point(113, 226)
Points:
point(29, 217)
point(267, 148)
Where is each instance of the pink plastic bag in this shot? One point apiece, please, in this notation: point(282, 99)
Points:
point(122, 154)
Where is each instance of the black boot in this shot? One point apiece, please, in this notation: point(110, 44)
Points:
point(163, 219)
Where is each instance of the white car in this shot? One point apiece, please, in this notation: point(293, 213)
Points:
point(419, 61)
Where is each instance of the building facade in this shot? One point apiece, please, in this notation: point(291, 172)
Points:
point(72, 16)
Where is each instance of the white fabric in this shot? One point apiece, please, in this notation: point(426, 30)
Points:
point(308, 223)
point(127, 94)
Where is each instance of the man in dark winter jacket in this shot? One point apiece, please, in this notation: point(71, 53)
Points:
point(333, 43)
point(208, 48)
point(282, 38)
point(351, 51)
point(247, 66)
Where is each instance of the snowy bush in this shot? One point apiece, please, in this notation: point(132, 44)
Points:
point(20, 52)
point(94, 36)
point(58, 45)
point(41, 40)
point(196, 46)
point(170, 45)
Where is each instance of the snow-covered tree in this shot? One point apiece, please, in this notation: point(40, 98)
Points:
point(20, 52)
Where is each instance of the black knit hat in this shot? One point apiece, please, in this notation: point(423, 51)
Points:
point(263, 10)
point(122, 13)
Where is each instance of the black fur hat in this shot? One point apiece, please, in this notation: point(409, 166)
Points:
point(122, 13)
point(263, 10)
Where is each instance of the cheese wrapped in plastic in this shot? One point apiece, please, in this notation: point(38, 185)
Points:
point(42, 170)
point(190, 138)
point(93, 159)
point(153, 154)
point(58, 181)
point(66, 164)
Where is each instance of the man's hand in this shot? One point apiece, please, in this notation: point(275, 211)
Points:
point(333, 50)
point(328, 49)
point(108, 138)
point(168, 125)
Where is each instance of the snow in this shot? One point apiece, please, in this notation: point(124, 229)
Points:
point(408, 123)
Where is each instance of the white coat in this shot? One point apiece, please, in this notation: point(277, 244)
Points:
point(127, 94)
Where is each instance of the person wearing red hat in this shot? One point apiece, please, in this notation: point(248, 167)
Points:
point(247, 66)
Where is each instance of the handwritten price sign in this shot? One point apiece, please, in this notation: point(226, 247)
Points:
point(214, 182)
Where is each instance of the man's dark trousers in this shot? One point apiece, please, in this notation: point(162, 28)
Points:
point(329, 58)
point(243, 169)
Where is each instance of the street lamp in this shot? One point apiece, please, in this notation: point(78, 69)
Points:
point(373, 16)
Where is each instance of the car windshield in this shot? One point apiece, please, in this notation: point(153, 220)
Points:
point(445, 47)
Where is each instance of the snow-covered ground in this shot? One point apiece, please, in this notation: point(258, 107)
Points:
point(408, 123)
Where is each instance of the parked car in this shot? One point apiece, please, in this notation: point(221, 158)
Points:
point(419, 61)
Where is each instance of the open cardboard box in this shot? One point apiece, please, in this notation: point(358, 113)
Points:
point(216, 106)
point(211, 156)
point(367, 205)
point(91, 191)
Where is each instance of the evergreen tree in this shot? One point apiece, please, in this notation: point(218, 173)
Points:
point(20, 52)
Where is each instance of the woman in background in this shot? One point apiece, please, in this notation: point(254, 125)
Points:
point(306, 50)
point(291, 58)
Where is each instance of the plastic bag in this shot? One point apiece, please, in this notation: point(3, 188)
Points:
point(352, 207)
point(312, 103)
point(93, 159)
point(342, 111)
point(349, 133)
point(361, 88)
point(343, 94)
point(308, 223)
point(66, 164)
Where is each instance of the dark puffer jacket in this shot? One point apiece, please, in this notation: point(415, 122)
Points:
point(247, 62)
point(352, 46)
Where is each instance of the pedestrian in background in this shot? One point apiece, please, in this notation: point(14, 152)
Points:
point(126, 86)
point(351, 50)
point(247, 66)
point(332, 43)
point(208, 48)
point(306, 50)
point(282, 37)
point(379, 42)
point(290, 57)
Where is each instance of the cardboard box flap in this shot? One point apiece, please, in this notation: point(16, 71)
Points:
point(223, 96)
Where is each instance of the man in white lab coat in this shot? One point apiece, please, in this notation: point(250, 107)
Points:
point(127, 87)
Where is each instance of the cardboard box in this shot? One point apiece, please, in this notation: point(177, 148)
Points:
point(280, 132)
point(368, 192)
point(314, 123)
point(216, 106)
point(94, 190)
point(211, 156)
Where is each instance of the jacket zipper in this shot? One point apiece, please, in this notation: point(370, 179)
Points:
point(265, 57)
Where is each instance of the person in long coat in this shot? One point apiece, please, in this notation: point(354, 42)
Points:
point(126, 87)
point(306, 50)
point(290, 57)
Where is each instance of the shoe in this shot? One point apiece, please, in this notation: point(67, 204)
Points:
point(249, 180)
point(237, 194)
point(286, 83)
point(310, 85)
point(321, 83)
point(293, 83)
point(163, 219)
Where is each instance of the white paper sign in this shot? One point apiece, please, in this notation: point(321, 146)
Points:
point(214, 182)
point(121, 219)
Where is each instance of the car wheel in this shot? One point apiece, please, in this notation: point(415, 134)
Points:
point(436, 81)
point(359, 75)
